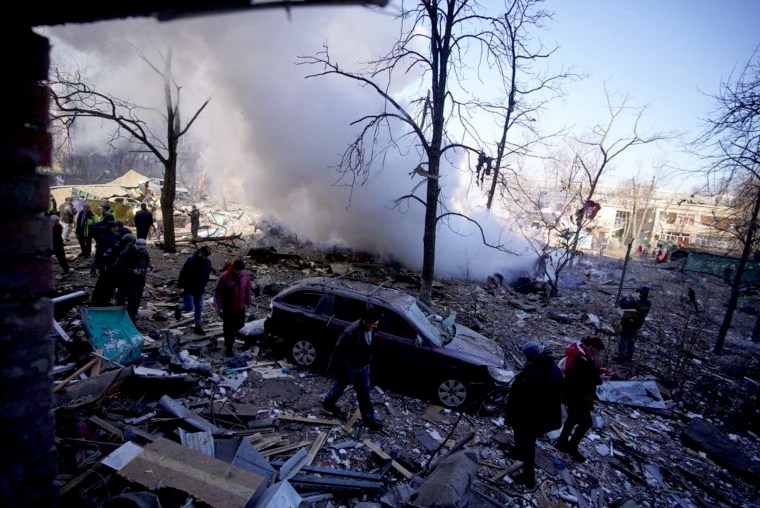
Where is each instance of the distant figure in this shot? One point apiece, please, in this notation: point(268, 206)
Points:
point(143, 222)
point(52, 207)
point(58, 251)
point(192, 281)
point(533, 407)
point(85, 220)
point(639, 249)
point(66, 212)
point(582, 376)
point(602, 248)
point(352, 357)
point(231, 297)
point(195, 221)
point(635, 311)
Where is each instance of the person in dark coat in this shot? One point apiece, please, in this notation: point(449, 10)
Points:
point(130, 269)
point(533, 406)
point(105, 287)
point(192, 281)
point(635, 311)
point(351, 359)
point(195, 221)
point(143, 221)
point(58, 250)
point(582, 376)
point(231, 296)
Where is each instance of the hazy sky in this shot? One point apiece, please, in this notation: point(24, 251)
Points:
point(272, 138)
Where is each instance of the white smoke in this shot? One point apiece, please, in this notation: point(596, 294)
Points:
point(272, 138)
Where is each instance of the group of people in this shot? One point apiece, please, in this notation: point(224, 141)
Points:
point(536, 396)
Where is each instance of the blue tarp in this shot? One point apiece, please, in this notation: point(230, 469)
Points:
point(112, 330)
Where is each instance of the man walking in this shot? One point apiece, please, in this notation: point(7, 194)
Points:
point(143, 221)
point(66, 214)
point(533, 407)
point(582, 376)
point(635, 311)
point(192, 280)
point(352, 357)
point(231, 297)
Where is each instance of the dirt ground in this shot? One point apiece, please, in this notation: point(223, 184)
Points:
point(636, 453)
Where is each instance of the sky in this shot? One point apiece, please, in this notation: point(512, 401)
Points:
point(272, 138)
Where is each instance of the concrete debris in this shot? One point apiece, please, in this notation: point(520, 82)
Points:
point(258, 409)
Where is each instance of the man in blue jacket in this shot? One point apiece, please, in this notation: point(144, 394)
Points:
point(192, 280)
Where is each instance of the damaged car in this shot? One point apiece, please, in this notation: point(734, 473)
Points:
point(416, 351)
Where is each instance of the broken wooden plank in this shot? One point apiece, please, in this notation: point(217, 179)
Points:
point(398, 467)
point(165, 463)
point(269, 443)
point(108, 427)
point(98, 365)
point(504, 472)
point(315, 421)
point(316, 446)
point(351, 421)
point(87, 366)
point(283, 449)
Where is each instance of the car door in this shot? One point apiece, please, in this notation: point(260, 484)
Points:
point(399, 360)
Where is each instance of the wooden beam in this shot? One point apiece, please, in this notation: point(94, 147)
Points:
point(315, 447)
point(398, 467)
point(351, 421)
point(283, 449)
point(108, 427)
point(315, 421)
point(87, 366)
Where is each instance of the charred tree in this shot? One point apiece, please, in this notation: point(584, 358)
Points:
point(74, 99)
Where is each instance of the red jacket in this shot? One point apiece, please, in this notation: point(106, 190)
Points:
point(233, 292)
point(582, 376)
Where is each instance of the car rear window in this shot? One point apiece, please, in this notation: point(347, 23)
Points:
point(305, 299)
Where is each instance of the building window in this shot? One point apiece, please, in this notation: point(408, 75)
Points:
point(713, 241)
point(677, 238)
point(685, 219)
point(621, 218)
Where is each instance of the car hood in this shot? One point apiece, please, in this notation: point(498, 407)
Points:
point(476, 347)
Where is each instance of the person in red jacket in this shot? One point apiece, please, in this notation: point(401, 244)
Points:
point(232, 296)
point(582, 376)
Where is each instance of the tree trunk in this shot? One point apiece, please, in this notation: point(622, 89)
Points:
point(734, 298)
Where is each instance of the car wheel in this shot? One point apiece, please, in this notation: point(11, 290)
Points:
point(304, 352)
point(452, 393)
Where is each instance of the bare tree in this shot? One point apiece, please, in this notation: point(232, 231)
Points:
point(636, 198)
point(731, 147)
point(75, 99)
point(435, 39)
point(526, 88)
point(565, 209)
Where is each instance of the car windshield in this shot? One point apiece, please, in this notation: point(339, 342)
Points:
point(421, 320)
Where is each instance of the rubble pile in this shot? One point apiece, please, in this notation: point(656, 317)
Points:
point(171, 421)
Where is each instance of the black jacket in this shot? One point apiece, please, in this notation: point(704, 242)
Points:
point(636, 313)
point(352, 347)
point(194, 275)
point(534, 397)
point(143, 221)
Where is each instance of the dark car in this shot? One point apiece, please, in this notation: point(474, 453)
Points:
point(416, 352)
